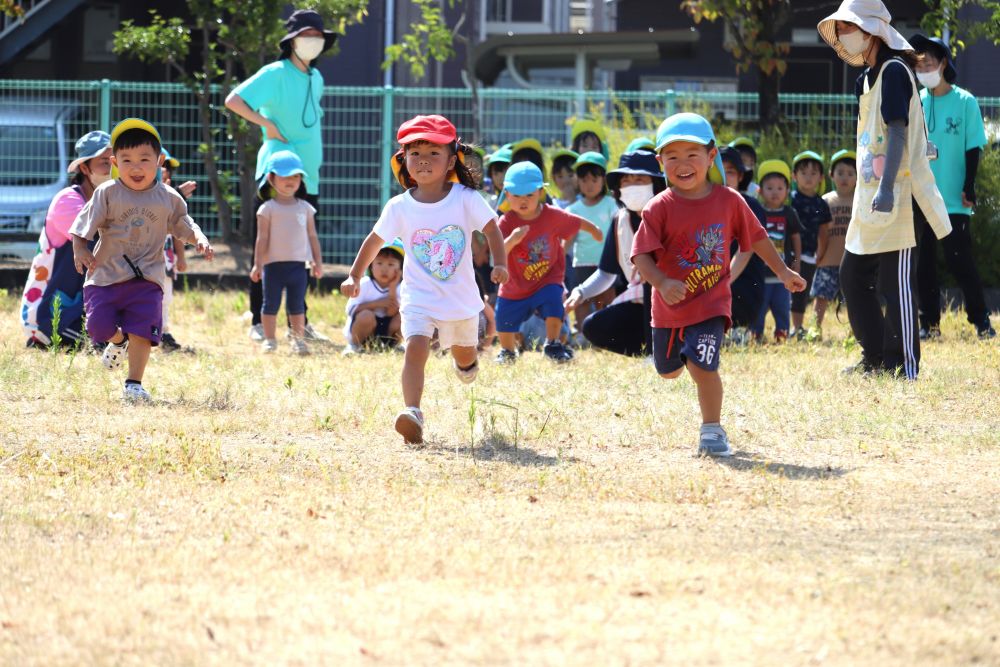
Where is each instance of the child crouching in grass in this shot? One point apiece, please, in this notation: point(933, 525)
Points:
point(682, 249)
point(373, 315)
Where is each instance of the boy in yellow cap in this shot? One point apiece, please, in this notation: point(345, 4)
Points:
point(782, 226)
point(123, 291)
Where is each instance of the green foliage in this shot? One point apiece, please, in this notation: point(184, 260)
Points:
point(11, 8)
point(985, 223)
point(945, 14)
point(752, 25)
point(163, 41)
point(429, 39)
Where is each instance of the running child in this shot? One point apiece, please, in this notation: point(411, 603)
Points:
point(782, 225)
point(133, 214)
point(830, 245)
point(286, 242)
point(373, 315)
point(434, 218)
point(813, 212)
point(682, 250)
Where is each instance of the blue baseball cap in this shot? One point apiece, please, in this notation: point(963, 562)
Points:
point(91, 145)
point(523, 178)
point(169, 159)
point(283, 163)
point(695, 129)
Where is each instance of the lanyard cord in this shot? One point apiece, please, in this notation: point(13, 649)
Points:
point(933, 120)
point(309, 103)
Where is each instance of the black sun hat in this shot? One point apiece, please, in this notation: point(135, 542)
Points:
point(302, 20)
point(639, 162)
point(940, 48)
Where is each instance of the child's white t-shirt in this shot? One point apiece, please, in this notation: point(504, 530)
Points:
point(438, 276)
point(368, 291)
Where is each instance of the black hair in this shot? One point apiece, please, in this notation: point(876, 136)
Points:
point(588, 169)
point(532, 156)
point(847, 160)
point(461, 171)
point(747, 150)
point(746, 175)
point(775, 174)
point(389, 252)
point(135, 138)
point(578, 139)
point(563, 162)
point(803, 162)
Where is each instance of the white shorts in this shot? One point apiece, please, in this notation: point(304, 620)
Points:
point(460, 333)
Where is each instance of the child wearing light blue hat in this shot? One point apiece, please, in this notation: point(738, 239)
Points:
point(682, 249)
point(286, 241)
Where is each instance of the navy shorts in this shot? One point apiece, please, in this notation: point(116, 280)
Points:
point(826, 284)
point(289, 277)
point(698, 343)
point(547, 301)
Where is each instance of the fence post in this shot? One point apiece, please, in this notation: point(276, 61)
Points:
point(671, 102)
point(106, 105)
point(387, 143)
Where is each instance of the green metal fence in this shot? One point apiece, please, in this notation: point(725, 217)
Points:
point(359, 134)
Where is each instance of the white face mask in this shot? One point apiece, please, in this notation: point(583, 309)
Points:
point(96, 179)
point(635, 197)
point(929, 79)
point(855, 42)
point(308, 48)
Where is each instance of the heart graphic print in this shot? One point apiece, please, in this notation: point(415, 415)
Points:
point(439, 252)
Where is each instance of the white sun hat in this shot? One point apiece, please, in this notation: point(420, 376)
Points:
point(869, 15)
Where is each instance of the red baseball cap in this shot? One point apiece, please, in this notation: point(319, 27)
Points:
point(435, 129)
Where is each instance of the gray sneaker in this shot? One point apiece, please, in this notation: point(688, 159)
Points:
point(314, 335)
point(256, 333)
point(713, 441)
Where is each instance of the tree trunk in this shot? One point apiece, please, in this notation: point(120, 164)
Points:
point(775, 23)
point(204, 95)
point(768, 86)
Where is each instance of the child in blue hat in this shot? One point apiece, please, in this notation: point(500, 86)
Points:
point(534, 234)
point(286, 241)
point(682, 249)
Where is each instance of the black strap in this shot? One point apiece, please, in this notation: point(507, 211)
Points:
point(135, 269)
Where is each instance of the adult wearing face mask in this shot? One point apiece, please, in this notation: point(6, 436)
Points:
point(623, 327)
point(955, 126)
point(283, 98)
point(893, 170)
point(53, 278)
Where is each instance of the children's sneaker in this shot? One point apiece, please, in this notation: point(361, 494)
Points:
point(168, 343)
point(557, 352)
point(410, 425)
point(257, 333)
point(351, 349)
point(269, 345)
point(300, 347)
point(985, 330)
point(713, 441)
point(114, 355)
point(135, 393)
point(315, 336)
point(780, 336)
point(466, 375)
point(506, 357)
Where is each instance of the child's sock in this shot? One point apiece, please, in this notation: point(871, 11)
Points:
point(467, 368)
point(128, 382)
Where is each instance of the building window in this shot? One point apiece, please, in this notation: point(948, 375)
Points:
point(531, 16)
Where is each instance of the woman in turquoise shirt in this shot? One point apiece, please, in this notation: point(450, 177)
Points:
point(283, 98)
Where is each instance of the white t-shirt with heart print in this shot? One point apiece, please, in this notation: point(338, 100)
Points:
point(438, 276)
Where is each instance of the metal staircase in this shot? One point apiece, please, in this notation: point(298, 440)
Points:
point(18, 33)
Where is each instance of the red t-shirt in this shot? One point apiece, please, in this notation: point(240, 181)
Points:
point(690, 241)
point(539, 259)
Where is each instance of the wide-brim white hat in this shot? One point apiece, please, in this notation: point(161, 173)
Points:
point(869, 15)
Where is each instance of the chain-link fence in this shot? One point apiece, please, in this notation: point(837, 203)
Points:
point(40, 121)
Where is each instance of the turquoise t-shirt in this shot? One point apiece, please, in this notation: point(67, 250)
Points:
point(587, 251)
point(955, 125)
point(288, 96)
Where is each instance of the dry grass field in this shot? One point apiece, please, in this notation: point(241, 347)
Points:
point(262, 511)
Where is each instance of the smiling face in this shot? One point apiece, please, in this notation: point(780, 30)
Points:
point(386, 267)
point(808, 175)
point(774, 191)
point(527, 206)
point(137, 166)
point(428, 164)
point(686, 165)
point(285, 186)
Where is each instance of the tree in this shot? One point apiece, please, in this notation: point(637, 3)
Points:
point(11, 8)
point(235, 38)
point(947, 14)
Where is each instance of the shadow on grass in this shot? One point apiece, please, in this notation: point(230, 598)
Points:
point(500, 450)
point(746, 461)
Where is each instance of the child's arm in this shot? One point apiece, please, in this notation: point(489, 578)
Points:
point(260, 247)
point(366, 255)
point(592, 229)
point(83, 259)
point(822, 241)
point(491, 322)
point(498, 249)
point(314, 245)
point(738, 264)
point(180, 261)
point(797, 249)
point(792, 280)
point(511, 241)
point(672, 291)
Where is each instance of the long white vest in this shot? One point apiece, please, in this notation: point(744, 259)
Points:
point(873, 232)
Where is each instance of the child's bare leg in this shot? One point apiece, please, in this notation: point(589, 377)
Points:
point(298, 323)
point(709, 393)
point(364, 326)
point(821, 306)
point(553, 325)
point(465, 357)
point(270, 323)
point(118, 338)
point(418, 348)
point(138, 356)
point(395, 327)
point(508, 340)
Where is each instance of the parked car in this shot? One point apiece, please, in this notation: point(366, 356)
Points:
point(36, 136)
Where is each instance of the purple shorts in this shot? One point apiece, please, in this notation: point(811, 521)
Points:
point(135, 306)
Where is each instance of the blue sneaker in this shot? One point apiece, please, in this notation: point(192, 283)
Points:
point(713, 441)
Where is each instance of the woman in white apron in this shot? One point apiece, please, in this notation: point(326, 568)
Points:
point(893, 169)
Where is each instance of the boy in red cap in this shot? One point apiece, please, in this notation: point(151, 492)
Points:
point(435, 219)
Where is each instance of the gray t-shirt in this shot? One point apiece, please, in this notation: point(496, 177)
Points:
point(133, 226)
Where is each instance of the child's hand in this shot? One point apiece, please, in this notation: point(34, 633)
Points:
point(255, 274)
point(317, 270)
point(597, 233)
point(206, 250)
point(793, 281)
point(181, 265)
point(518, 234)
point(186, 188)
point(273, 132)
point(84, 259)
point(673, 291)
point(499, 274)
point(350, 287)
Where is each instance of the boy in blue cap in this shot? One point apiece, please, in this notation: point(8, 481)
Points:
point(682, 249)
point(534, 234)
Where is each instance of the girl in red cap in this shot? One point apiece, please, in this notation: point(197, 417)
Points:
point(435, 218)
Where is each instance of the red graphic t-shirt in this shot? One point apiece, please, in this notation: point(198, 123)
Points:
point(539, 259)
point(690, 241)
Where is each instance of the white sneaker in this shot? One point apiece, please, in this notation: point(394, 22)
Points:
point(135, 393)
point(300, 347)
point(313, 335)
point(257, 333)
point(467, 375)
point(350, 349)
point(114, 355)
point(410, 425)
point(269, 345)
